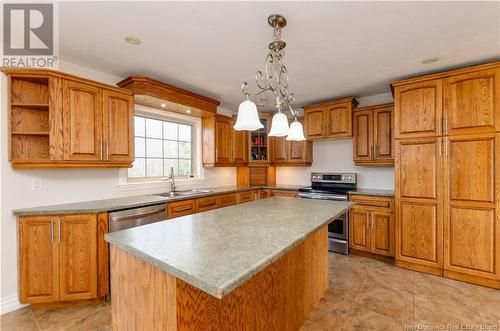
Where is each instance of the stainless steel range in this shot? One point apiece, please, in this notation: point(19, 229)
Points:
point(333, 186)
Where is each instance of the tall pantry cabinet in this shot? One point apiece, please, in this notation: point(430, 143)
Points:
point(447, 164)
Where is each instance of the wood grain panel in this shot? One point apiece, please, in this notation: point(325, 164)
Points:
point(471, 168)
point(418, 168)
point(363, 135)
point(420, 237)
point(30, 147)
point(240, 146)
point(284, 193)
point(143, 296)
point(82, 116)
point(207, 203)
point(118, 126)
point(38, 260)
point(383, 128)
point(340, 121)
point(278, 150)
point(359, 236)
point(25, 119)
point(418, 109)
point(56, 103)
point(382, 233)
point(471, 102)
point(78, 256)
point(315, 122)
point(228, 199)
point(102, 255)
point(181, 208)
point(29, 90)
point(246, 196)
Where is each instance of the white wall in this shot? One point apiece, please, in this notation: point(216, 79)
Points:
point(336, 155)
point(60, 186)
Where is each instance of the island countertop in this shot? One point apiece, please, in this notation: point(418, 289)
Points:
point(218, 250)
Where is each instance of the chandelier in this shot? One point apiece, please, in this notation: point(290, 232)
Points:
point(274, 79)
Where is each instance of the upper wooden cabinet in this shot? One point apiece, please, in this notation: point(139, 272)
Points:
point(59, 120)
point(285, 152)
point(373, 141)
point(218, 135)
point(471, 102)
point(240, 147)
point(418, 109)
point(329, 120)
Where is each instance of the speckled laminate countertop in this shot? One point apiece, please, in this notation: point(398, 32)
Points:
point(376, 192)
point(218, 250)
point(105, 205)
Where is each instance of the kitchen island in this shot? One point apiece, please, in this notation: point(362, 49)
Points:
point(262, 265)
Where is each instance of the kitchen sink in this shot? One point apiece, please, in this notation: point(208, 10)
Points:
point(181, 193)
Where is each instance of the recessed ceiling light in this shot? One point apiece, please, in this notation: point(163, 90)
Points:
point(133, 40)
point(430, 60)
point(163, 105)
point(188, 111)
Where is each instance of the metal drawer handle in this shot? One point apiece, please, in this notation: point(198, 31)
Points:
point(51, 230)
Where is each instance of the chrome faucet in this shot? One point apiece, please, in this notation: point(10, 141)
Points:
point(172, 181)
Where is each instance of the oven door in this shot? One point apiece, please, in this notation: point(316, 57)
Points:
point(338, 227)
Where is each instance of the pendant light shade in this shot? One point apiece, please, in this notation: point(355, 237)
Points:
point(247, 119)
point(296, 132)
point(279, 125)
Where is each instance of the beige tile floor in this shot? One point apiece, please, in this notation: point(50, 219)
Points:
point(364, 294)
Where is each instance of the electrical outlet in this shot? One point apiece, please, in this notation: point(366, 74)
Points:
point(36, 184)
point(371, 176)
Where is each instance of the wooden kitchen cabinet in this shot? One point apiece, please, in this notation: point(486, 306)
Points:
point(418, 109)
point(181, 208)
point(294, 153)
point(447, 168)
point(371, 224)
point(247, 196)
point(58, 258)
point(241, 152)
point(59, 120)
point(284, 193)
point(218, 148)
point(470, 102)
point(329, 120)
point(373, 141)
point(118, 127)
point(229, 199)
point(77, 257)
point(208, 203)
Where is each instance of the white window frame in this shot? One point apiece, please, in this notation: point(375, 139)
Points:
point(155, 182)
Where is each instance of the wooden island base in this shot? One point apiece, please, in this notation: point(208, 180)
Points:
point(279, 297)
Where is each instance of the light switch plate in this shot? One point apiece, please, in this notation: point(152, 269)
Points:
point(371, 176)
point(36, 184)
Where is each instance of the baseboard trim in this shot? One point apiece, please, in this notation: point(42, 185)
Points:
point(9, 304)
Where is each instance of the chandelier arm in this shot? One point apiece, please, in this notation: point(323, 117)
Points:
point(248, 94)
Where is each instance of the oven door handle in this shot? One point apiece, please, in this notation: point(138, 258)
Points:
point(322, 197)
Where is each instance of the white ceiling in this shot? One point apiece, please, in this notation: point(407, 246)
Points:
point(333, 48)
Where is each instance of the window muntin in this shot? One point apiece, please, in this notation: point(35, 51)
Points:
point(159, 145)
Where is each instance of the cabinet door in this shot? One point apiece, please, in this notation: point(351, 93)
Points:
point(118, 129)
point(207, 203)
point(284, 193)
point(240, 147)
point(38, 260)
point(77, 236)
point(383, 140)
point(278, 149)
point(363, 143)
point(472, 102)
point(181, 208)
point(419, 203)
point(382, 233)
point(223, 141)
point(471, 219)
point(339, 120)
point(418, 110)
point(315, 121)
point(359, 230)
point(82, 118)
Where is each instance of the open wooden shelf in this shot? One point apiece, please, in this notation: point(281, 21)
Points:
point(31, 133)
point(36, 106)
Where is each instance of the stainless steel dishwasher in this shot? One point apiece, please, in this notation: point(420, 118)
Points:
point(129, 218)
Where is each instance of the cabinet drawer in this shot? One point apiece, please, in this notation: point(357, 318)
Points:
point(284, 193)
point(181, 208)
point(372, 201)
point(245, 196)
point(264, 193)
point(228, 199)
point(207, 203)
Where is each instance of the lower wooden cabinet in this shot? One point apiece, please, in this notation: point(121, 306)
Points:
point(284, 193)
point(58, 258)
point(371, 225)
point(207, 203)
point(246, 196)
point(228, 199)
point(181, 208)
